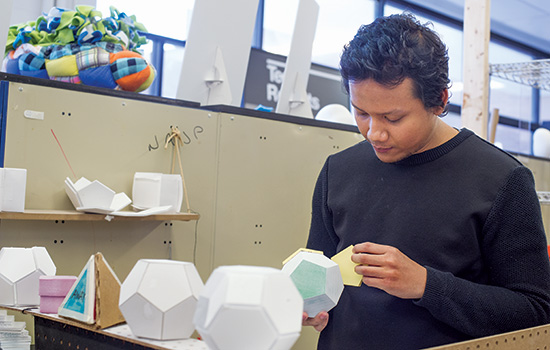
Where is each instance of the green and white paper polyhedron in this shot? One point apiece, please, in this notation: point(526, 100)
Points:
point(317, 278)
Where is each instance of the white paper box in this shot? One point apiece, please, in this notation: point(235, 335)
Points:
point(158, 298)
point(95, 197)
point(317, 278)
point(152, 190)
point(20, 271)
point(13, 184)
point(249, 307)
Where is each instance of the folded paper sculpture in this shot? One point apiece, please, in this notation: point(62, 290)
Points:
point(93, 298)
point(318, 280)
point(249, 307)
point(159, 297)
point(95, 197)
point(151, 190)
point(20, 271)
point(13, 183)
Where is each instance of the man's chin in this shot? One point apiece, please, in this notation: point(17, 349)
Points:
point(389, 158)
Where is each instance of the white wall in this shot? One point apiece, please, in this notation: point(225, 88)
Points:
point(30, 10)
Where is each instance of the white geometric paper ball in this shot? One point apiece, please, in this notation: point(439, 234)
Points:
point(20, 271)
point(249, 307)
point(318, 280)
point(336, 113)
point(158, 298)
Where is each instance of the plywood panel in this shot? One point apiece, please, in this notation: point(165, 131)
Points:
point(107, 138)
point(267, 172)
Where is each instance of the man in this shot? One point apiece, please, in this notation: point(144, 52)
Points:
point(446, 228)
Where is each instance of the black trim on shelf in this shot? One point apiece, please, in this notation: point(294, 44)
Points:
point(96, 90)
point(280, 117)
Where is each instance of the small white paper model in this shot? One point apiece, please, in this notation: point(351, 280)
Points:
point(158, 298)
point(249, 307)
point(20, 271)
point(318, 280)
point(13, 184)
point(152, 190)
point(80, 301)
point(95, 197)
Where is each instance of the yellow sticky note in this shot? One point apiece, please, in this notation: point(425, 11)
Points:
point(347, 267)
point(301, 250)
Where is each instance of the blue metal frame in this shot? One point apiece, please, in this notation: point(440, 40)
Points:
point(157, 58)
point(4, 88)
point(258, 37)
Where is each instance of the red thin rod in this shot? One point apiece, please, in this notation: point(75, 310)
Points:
point(64, 154)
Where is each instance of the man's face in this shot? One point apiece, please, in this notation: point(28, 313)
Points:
point(392, 120)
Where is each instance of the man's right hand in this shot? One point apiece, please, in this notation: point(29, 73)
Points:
point(318, 322)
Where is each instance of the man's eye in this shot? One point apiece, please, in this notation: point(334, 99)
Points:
point(393, 120)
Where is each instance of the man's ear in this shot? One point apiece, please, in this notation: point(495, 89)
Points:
point(444, 100)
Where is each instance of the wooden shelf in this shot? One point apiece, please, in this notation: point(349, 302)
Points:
point(73, 215)
point(54, 332)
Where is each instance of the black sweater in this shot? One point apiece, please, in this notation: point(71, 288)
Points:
point(465, 210)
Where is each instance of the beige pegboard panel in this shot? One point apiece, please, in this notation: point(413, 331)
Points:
point(536, 338)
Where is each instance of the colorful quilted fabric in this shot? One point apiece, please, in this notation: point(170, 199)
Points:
point(81, 47)
point(92, 58)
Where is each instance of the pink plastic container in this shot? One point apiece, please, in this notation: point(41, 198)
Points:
point(52, 291)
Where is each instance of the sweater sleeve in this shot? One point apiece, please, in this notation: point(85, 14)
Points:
point(321, 233)
point(514, 248)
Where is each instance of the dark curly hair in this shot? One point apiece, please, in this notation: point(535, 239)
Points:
point(396, 47)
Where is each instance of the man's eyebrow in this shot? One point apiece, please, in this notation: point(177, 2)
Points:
point(385, 113)
point(359, 109)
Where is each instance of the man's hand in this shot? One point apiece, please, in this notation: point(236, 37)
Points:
point(319, 322)
point(386, 268)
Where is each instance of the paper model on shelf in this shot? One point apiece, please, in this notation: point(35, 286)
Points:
point(151, 211)
point(318, 280)
point(153, 190)
point(249, 307)
point(95, 197)
point(20, 270)
point(93, 299)
point(12, 189)
point(159, 297)
point(347, 267)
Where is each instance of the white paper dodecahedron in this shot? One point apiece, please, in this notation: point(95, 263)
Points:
point(249, 307)
point(318, 280)
point(159, 297)
point(20, 271)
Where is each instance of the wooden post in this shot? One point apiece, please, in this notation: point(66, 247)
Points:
point(494, 122)
point(475, 104)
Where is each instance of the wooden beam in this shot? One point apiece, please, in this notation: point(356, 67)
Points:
point(477, 32)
